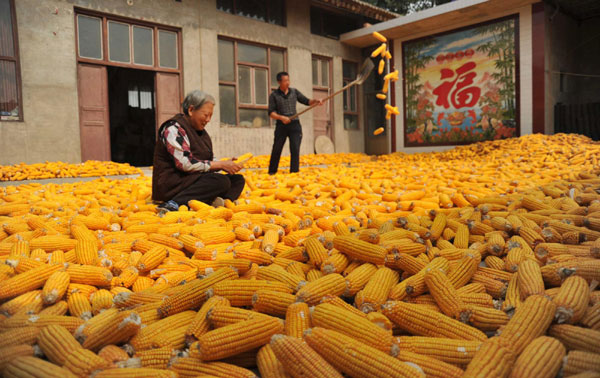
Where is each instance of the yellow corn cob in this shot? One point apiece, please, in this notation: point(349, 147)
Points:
point(86, 252)
point(298, 358)
point(313, 292)
point(127, 277)
point(463, 271)
point(255, 255)
point(173, 338)
point(9, 353)
point(270, 239)
point(272, 302)
point(405, 262)
point(101, 300)
point(17, 336)
point(380, 321)
point(19, 249)
point(317, 254)
point(530, 279)
point(222, 316)
point(27, 281)
point(591, 319)
point(478, 299)
point(55, 287)
point(155, 358)
point(494, 262)
point(145, 336)
point(452, 351)
point(277, 273)
point(461, 239)
point(421, 321)
point(141, 283)
point(57, 343)
point(541, 358)
point(113, 354)
point(90, 275)
point(354, 358)
point(531, 319)
point(313, 275)
point(268, 364)
point(430, 366)
point(20, 303)
point(80, 306)
point(83, 362)
point(494, 287)
point(152, 258)
point(118, 328)
point(495, 358)
point(578, 362)
point(297, 319)
point(52, 242)
point(438, 226)
point(136, 372)
point(377, 290)
point(332, 317)
point(240, 292)
point(445, 295)
point(193, 293)
point(188, 367)
point(415, 285)
point(578, 338)
point(360, 250)
point(199, 325)
point(572, 300)
point(487, 318)
point(235, 338)
point(34, 367)
point(59, 308)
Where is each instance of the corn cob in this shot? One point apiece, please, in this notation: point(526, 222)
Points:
point(101, 300)
point(113, 354)
point(446, 296)
point(9, 353)
point(17, 336)
point(80, 306)
point(360, 250)
point(59, 308)
point(313, 292)
point(30, 280)
point(119, 328)
point(358, 278)
point(136, 373)
point(356, 359)
point(572, 300)
point(55, 287)
point(193, 293)
point(578, 362)
point(415, 285)
point(222, 316)
point(86, 252)
point(541, 358)
point(430, 366)
point(381, 321)
point(299, 360)
point(57, 343)
point(591, 318)
point(270, 239)
point(578, 338)
point(188, 367)
point(335, 264)
point(199, 325)
point(34, 368)
point(421, 321)
point(235, 338)
point(83, 362)
point(377, 289)
point(23, 303)
point(297, 320)
point(530, 279)
point(531, 319)
point(90, 275)
point(452, 351)
point(332, 317)
point(494, 359)
point(240, 292)
point(463, 272)
point(487, 318)
point(268, 364)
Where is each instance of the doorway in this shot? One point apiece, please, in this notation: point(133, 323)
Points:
point(321, 78)
point(132, 115)
point(374, 111)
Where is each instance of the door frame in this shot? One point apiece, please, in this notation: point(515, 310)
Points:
point(329, 90)
point(105, 17)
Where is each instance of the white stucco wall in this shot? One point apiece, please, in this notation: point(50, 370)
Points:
point(525, 73)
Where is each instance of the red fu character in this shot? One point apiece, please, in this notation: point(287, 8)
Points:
point(459, 91)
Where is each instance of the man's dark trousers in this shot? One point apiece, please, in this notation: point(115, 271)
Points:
point(293, 130)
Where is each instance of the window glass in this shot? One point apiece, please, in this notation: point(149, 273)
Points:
point(324, 73)
point(252, 54)
point(276, 12)
point(350, 122)
point(89, 36)
point(256, 9)
point(9, 100)
point(227, 104)
point(142, 46)
point(260, 86)
point(167, 49)
point(277, 65)
point(254, 118)
point(315, 72)
point(245, 85)
point(118, 42)
point(226, 61)
point(7, 47)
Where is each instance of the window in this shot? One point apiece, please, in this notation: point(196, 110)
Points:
point(332, 23)
point(247, 75)
point(126, 42)
point(10, 73)
point(350, 96)
point(271, 11)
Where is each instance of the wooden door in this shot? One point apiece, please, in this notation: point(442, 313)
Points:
point(93, 112)
point(321, 74)
point(168, 96)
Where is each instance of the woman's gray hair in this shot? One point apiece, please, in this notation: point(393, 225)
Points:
point(196, 99)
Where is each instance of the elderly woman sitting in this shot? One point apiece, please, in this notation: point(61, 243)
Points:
point(184, 168)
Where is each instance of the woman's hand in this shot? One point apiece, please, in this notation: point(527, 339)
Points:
point(228, 166)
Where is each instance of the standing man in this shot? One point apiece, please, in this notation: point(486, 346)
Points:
point(282, 105)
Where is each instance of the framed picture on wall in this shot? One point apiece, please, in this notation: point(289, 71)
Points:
point(462, 86)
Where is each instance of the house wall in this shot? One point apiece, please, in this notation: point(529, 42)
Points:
point(571, 47)
point(50, 130)
point(525, 72)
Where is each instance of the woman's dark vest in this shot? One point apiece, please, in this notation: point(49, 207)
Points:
point(167, 180)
